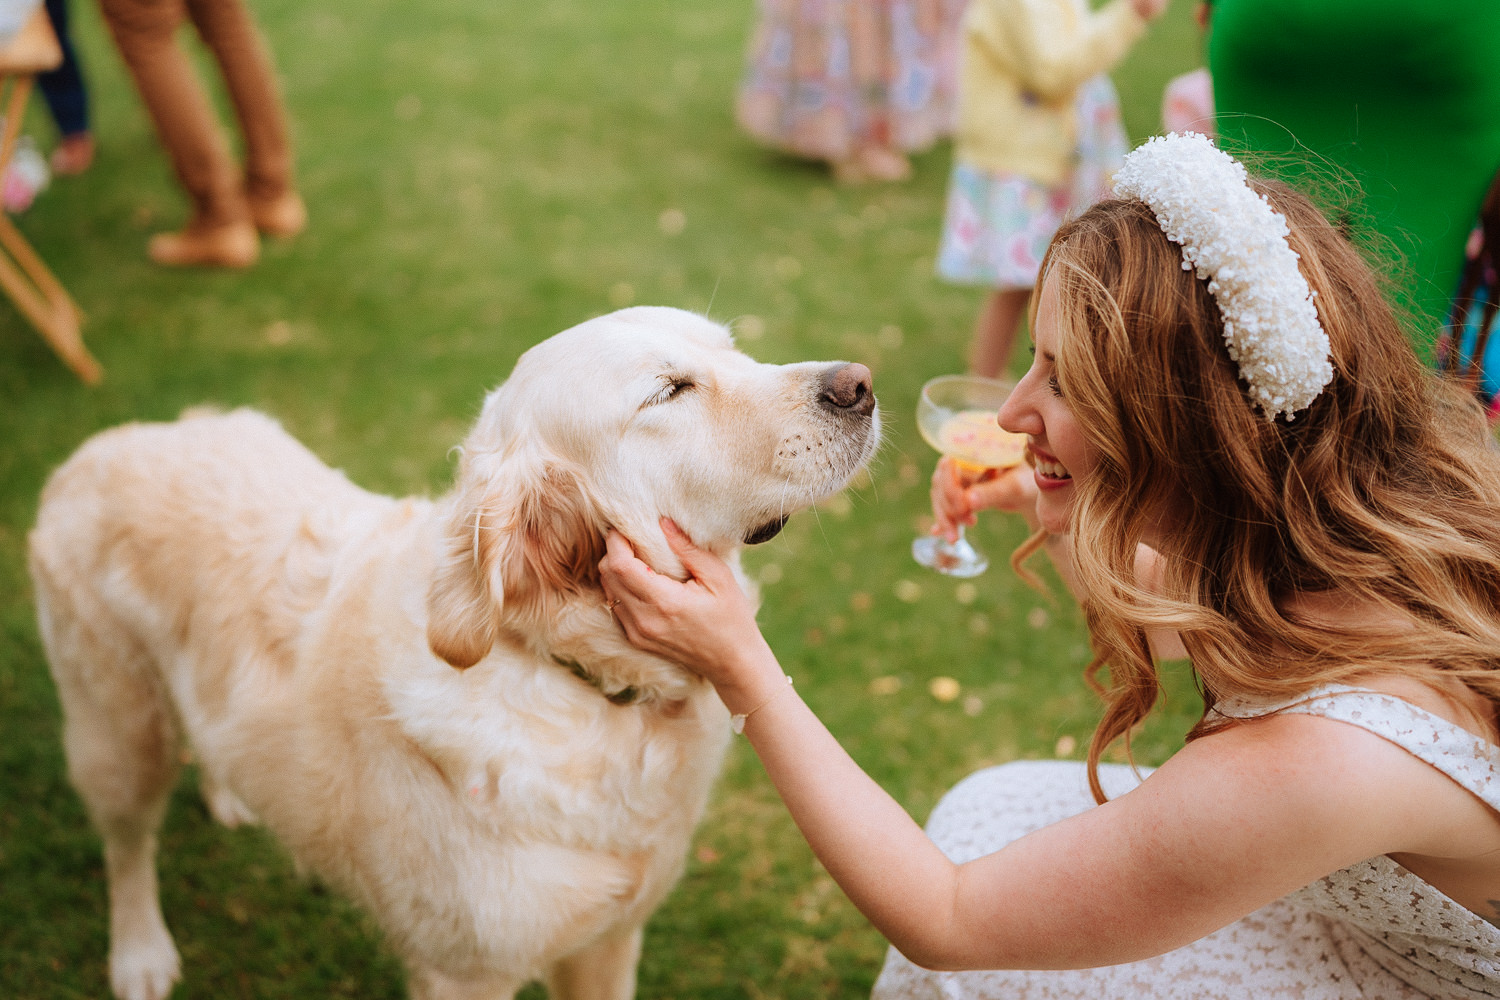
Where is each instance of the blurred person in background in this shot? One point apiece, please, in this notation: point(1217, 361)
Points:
point(67, 98)
point(1038, 136)
point(859, 84)
point(230, 206)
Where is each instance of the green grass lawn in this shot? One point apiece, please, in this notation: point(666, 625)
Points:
point(480, 176)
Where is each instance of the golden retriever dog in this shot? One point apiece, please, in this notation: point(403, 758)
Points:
point(427, 701)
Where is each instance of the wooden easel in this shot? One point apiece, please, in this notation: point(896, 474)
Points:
point(37, 294)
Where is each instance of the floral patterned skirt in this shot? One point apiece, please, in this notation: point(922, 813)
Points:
point(997, 226)
point(826, 77)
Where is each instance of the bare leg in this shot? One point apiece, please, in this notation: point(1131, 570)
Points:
point(995, 331)
point(874, 155)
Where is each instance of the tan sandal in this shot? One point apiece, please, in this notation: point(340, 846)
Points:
point(283, 216)
point(233, 245)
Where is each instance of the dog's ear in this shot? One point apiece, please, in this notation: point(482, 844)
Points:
point(556, 539)
point(518, 540)
point(461, 613)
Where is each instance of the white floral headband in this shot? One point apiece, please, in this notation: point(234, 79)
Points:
point(1237, 242)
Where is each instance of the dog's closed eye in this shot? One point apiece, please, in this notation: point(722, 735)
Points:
point(672, 387)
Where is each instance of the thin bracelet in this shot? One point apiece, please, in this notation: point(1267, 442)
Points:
point(737, 721)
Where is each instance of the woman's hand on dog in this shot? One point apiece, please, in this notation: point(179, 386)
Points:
point(706, 623)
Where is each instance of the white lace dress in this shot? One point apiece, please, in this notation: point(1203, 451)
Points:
point(1372, 931)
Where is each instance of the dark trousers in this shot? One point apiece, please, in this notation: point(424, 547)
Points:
point(63, 88)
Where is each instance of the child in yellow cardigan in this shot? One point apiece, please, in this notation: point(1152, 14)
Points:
point(1038, 137)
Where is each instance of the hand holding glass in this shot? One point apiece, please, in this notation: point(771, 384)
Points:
point(957, 415)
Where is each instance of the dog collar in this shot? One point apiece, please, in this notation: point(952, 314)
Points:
point(624, 696)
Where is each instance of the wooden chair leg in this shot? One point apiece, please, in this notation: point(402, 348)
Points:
point(19, 88)
point(38, 295)
point(41, 298)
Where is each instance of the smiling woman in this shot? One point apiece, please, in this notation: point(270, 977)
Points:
point(1057, 447)
point(1257, 479)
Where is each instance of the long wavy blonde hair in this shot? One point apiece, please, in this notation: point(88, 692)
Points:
point(1386, 490)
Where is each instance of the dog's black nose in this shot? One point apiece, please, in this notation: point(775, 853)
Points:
point(848, 387)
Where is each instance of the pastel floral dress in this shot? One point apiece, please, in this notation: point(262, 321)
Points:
point(997, 226)
point(825, 77)
point(1372, 931)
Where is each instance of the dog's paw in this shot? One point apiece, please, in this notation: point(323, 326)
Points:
point(226, 807)
point(144, 970)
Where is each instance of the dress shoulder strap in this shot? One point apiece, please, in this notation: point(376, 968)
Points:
point(1472, 762)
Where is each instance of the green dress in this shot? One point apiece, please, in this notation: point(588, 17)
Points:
point(1401, 95)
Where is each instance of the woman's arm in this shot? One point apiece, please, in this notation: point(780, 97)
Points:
point(1231, 823)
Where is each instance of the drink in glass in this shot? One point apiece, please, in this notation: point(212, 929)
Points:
point(956, 415)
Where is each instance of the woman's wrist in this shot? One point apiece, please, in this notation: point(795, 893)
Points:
point(738, 719)
point(751, 682)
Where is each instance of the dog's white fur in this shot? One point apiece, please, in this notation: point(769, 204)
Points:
point(211, 583)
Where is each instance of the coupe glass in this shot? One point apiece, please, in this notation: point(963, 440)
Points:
point(956, 415)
